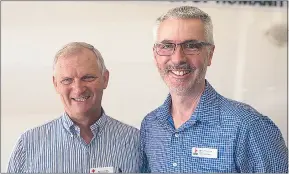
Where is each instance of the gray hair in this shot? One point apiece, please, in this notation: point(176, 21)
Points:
point(188, 12)
point(75, 47)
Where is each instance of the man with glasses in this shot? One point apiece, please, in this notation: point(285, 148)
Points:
point(197, 129)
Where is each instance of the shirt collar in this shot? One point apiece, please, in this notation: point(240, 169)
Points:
point(96, 127)
point(207, 110)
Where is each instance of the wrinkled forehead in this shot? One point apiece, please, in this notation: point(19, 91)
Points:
point(180, 30)
point(81, 61)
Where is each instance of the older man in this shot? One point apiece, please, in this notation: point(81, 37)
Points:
point(84, 139)
point(197, 129)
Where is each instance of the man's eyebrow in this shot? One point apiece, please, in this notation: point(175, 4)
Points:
point(186, 41)
point(65, 77)
point(167, 41)
point(90, 75)
point(192, 40)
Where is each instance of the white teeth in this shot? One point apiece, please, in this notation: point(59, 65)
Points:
point(81, 99)
point(181, 73)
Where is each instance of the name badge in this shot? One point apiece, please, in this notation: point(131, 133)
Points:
point(204, 152)
point(102, 170)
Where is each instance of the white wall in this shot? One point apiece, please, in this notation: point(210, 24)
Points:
point(246, 65)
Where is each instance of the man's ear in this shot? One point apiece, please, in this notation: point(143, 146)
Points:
point(55, 83)
point(210, 55)
point(105, 78)
point(155, 58)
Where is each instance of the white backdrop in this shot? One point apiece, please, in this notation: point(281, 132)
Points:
point(247, 66)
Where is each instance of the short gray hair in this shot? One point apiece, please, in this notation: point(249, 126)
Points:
point(187, 12)
point(75, 47)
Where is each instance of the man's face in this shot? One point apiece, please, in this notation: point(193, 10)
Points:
point(79, 82)
point(182, 72)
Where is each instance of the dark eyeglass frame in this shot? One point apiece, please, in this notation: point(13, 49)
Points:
point(199, 44)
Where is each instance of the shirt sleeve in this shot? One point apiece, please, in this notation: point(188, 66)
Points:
point(261, 148)
point(17, 159)
point(145, 164)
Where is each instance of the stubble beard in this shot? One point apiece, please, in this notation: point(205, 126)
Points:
point(184, 87)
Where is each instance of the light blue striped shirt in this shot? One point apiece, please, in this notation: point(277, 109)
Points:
point(56, 147)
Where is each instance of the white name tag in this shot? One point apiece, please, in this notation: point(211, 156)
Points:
point(102, 170)
point(204, 152)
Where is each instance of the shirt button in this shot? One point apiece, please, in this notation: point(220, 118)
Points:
point(177, 135)
point(175, 164)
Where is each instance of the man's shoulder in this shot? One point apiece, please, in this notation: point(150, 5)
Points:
point(121, 127)
point(240, 111)
point(151, 116)
point(42, 129)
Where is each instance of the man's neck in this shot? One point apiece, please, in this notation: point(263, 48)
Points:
point(183, 106)
point(84, 121)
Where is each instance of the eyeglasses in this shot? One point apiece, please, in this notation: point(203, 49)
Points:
point(188, 48)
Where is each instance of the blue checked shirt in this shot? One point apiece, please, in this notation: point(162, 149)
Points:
point(57, 147)
point(222, 136)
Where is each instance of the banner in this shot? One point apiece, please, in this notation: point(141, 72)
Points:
point(241, 3)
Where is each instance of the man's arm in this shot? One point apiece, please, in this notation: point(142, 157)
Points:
point(261, 148)
point(145, 164)
point(17, 160)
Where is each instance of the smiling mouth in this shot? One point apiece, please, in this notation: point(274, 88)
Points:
point(81, 99)
point(180, 73)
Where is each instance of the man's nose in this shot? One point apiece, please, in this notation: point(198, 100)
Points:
point(78, 87)
point(178, 56)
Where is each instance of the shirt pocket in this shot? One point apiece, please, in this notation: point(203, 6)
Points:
point(223, 163)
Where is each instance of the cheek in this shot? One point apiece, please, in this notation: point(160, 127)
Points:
point(199, 62)
point(161, 62)
point(97, 94)
point(64, 92)
point(96, 87)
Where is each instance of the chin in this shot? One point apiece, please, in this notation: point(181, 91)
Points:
point(81, 111)
point(179, 90)
point(178, 85)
